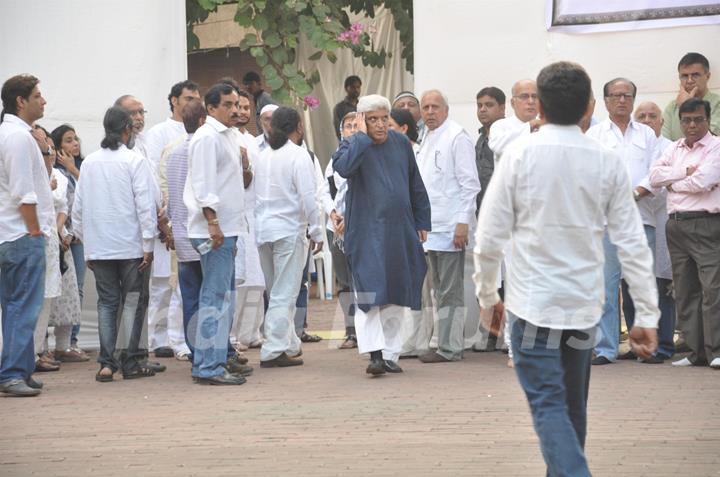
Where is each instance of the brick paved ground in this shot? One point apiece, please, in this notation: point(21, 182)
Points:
point(328, 418)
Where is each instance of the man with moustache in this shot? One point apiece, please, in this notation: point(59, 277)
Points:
point(636, 144)
point(694, 75)
point(387, 216)
point(690, 171)
point(214, 197)
point(249, 279)
point(407, 100)
point(447, 165)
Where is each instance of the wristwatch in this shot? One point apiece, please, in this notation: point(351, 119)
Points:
point(249, 168)
point(636, 195)
point(214, 222)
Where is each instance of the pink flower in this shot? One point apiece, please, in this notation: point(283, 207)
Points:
point(311, 102)
point(353, 34)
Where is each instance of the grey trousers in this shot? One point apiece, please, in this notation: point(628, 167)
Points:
point(448, 270)
point(694, 246)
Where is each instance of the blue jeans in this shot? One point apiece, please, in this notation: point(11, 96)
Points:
point(22, 287)
point(609, 325)
point(666, 325)
point(190, 281)
point(553, 367)
point(78, 254)
point(215, 309)
point(121, 303)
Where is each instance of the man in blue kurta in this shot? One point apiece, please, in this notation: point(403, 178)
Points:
point(387, 217)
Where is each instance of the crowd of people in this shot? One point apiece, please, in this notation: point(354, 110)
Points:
point(199, 235)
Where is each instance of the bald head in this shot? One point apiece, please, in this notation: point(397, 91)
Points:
point(524, 100)
point(649, 113)
point(136, 109)
point(193, 116)
point(434, 108)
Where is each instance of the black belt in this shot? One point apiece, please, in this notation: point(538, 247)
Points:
point(693, 215)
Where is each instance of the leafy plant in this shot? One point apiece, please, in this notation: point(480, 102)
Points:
point(274, 29)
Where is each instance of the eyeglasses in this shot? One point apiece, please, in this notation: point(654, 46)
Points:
point(619, 96)
point(698, 120)
point(526, 96)
point(137, 112)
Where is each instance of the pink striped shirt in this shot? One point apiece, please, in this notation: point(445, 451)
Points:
point(698, 191)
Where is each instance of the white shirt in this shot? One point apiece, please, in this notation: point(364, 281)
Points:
point(553, 192)
point(326, 200)
point(261, 142)
point(503, 132)
point(638, 149)
point(447, 165)
point(663, 267)
point(160, 136)
point(114, 210)
point(60, 202)
point(215, 181)
point(23, 180)
point(285, 189)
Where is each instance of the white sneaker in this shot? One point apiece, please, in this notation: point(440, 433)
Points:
point(715, 363)
point(182, 355)
point(682, 362)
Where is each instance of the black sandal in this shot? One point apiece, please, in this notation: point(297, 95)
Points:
point(306, 338)
point(103, 378)
point(139, 372)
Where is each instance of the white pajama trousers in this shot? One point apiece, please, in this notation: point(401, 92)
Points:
point(165, 321)
point(380, 329)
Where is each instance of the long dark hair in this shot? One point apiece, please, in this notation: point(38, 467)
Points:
point(57, 136)
point(116, 121)
point(404, 118)
point(284, 121)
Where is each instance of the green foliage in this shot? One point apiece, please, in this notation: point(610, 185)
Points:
point(278, 24)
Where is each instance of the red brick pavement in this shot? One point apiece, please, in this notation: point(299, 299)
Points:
point(328, 418)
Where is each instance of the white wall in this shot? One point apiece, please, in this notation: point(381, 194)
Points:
point(86, 53)
point(464, 45)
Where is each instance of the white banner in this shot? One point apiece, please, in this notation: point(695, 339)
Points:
point(589, 16)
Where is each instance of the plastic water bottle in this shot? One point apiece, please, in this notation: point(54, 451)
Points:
point(205, 247)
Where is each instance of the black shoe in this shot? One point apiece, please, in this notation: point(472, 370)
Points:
point(628, 355)
point(164, 352)
point(282, 361)
point(225, 379)
point(391, 366)
point(157, 367)
point(653, 360)
point(376, 367)
point(600, 360)
point(19, 388)
point(33, 383)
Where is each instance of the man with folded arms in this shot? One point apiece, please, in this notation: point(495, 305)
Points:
point(690, 170)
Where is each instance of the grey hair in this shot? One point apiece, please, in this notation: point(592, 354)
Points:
point(373, 102)
point(439, 93)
